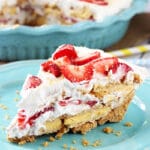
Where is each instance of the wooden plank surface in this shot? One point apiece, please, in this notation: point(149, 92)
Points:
point(137, 33)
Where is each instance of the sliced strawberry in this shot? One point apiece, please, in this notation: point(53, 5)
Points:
point(32, 82)
point(21, 119)
point(51, 67)
point(98, 2)
point(66, 50)
point(104, 65)
point(32, 119)
point(63, 61)
point(67, 98)
point(126, 68)
point(86, 59)
point(63, 103)
point(77, 73)
point(91, 103)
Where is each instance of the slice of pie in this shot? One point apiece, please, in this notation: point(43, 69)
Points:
point(75, 90)
point(66, 12)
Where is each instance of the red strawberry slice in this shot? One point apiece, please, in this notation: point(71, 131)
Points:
point(86, 59)
point(77, 73)
point(32, 82)
point(104, 65)
point(91, 103)
point(32, 119)
point(126, 68)
point(51, 67)
point(21, 119)
point(63, 61)
point(63, 103)
point(66, 50)
point(98, 2)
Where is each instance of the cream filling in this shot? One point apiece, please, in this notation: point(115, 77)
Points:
point(14, 131)
point(99, 12)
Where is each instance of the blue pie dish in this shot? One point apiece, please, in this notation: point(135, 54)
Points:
point(25, 42)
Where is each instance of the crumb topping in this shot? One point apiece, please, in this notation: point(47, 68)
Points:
point(117, 133)
point(4, 107)
point(7, 117)
point(52, 139)
point(96, 143)
point(74, 141)
point(16, 99)
point(45, 144)
point(22, 142)
point(128, 124)
point(108, 130)
point(85, 142)
point(65, 146)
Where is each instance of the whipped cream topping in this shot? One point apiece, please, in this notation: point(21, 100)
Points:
point(66, 97)
point(53, 91)
point(99, 11)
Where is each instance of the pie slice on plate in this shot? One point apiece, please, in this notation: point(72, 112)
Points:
point(75, 90)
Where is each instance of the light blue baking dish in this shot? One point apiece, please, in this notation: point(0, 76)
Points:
point(24, 42)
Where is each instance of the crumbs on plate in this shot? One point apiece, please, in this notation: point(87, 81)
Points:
point(4, 107)
point(128, 124)
point(45, 144)
point(108, 130)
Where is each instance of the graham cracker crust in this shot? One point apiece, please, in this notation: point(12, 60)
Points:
point(115, 115)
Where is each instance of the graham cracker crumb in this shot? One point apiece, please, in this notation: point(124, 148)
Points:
point(128, 124)
point(96, 143)
point(74, 141)
point(3, 128)
point(61, 132)
point(22, 142)
point(84, 128)
point(108, 130)
point(117, 133)
point(52, 139)
point(45, 144)
point(58, 136)
point(17, 92)
point(65, 146)
point(72, 148)
point(7, 117)
point(4, 107)
point(137, 78)
point(85, 142)
point(16, 99)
